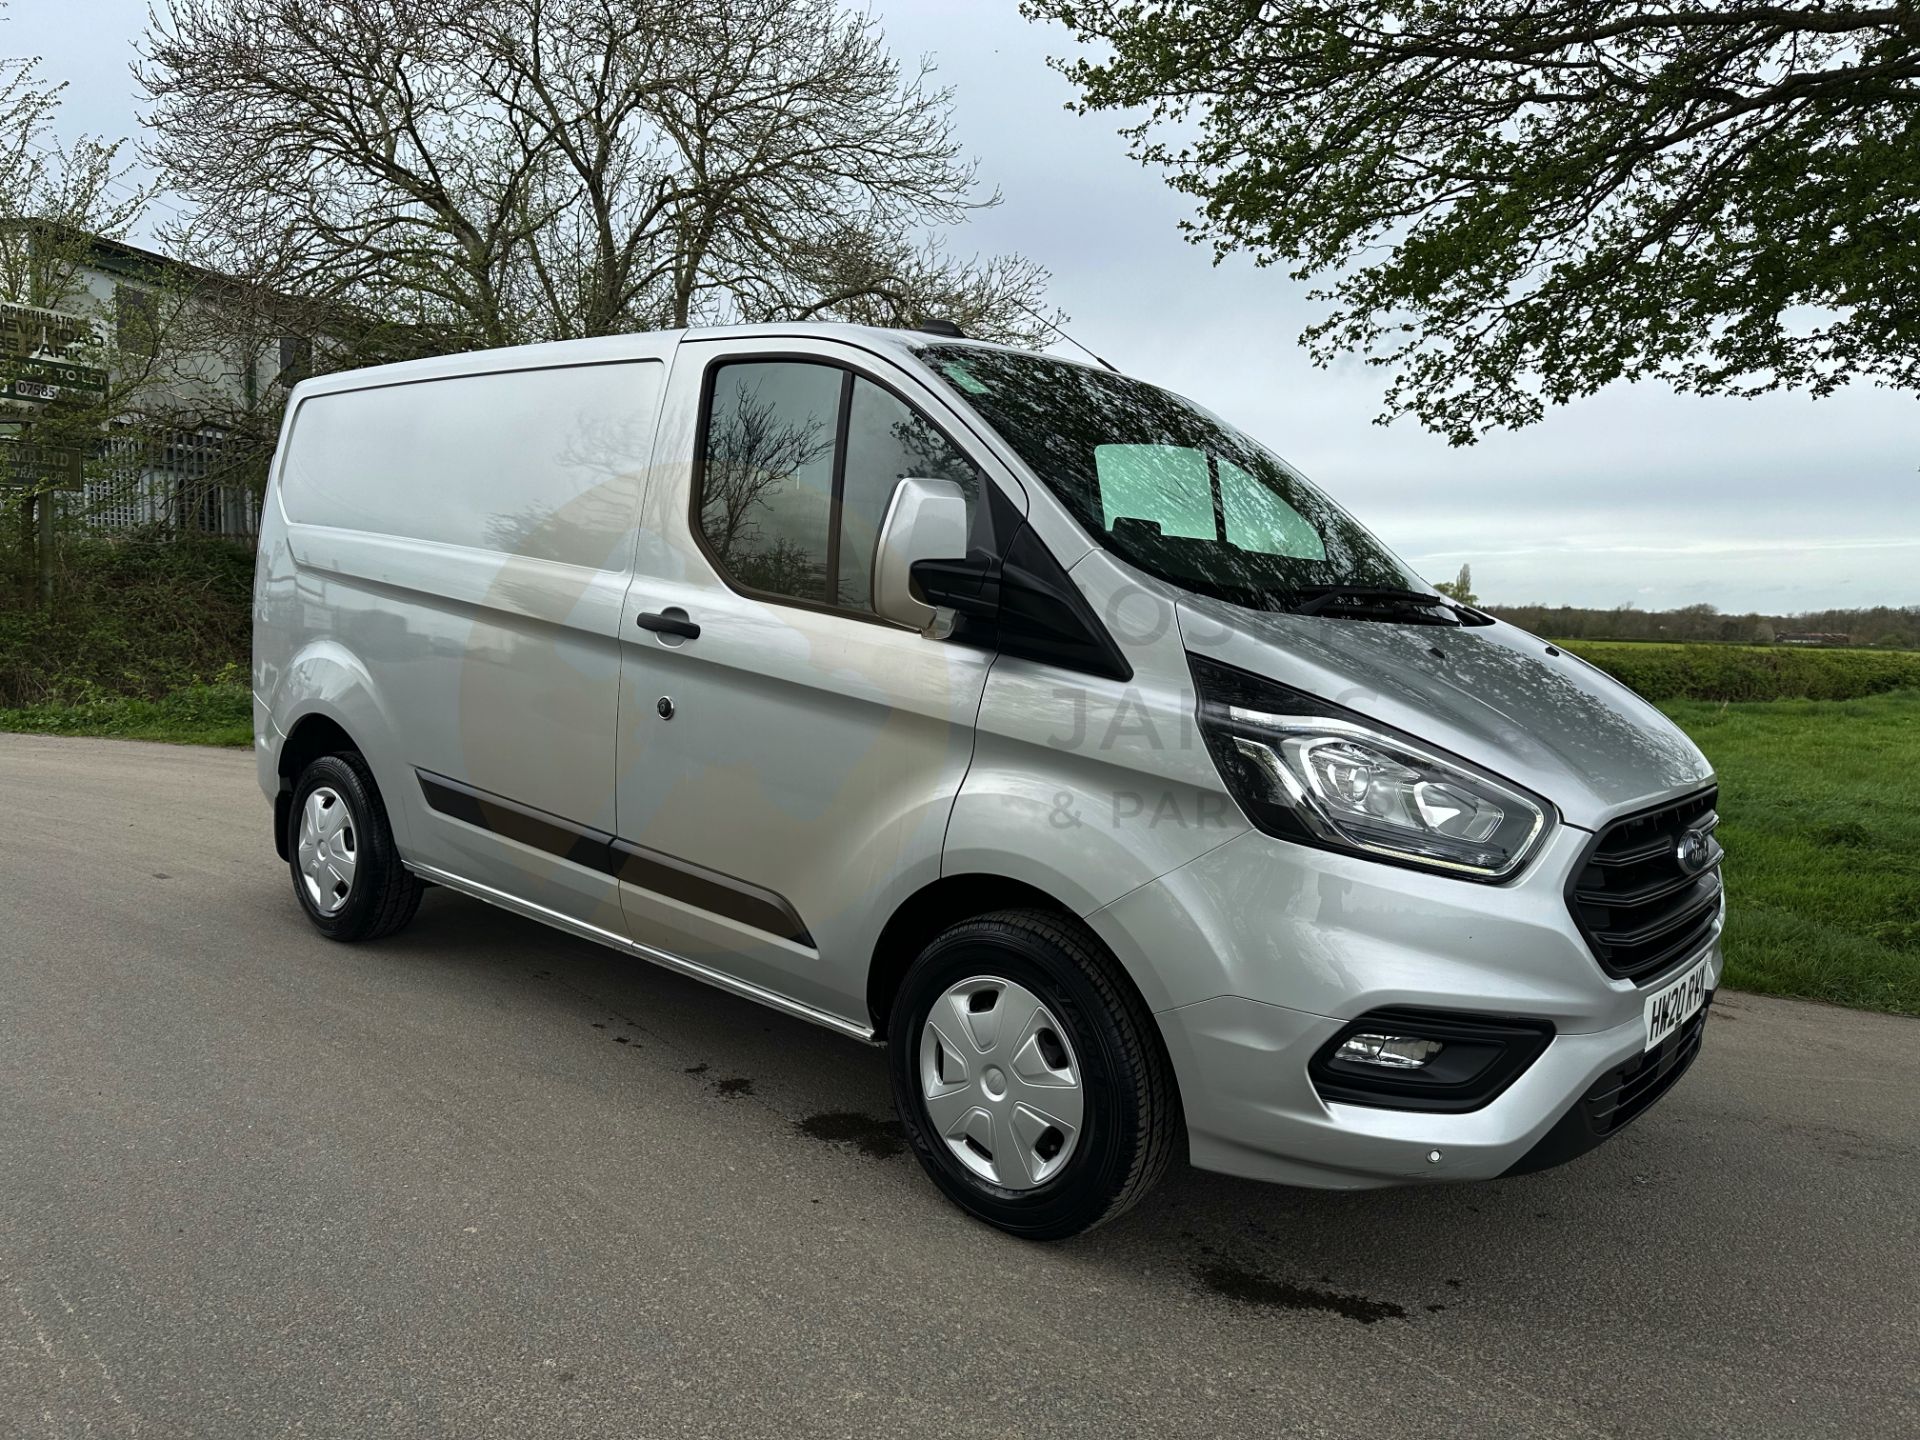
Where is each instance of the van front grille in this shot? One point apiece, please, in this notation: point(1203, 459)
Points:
point(1638, 904)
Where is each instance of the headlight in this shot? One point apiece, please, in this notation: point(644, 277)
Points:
point(1305, 770)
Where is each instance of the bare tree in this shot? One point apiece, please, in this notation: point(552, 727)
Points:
point(499, 171)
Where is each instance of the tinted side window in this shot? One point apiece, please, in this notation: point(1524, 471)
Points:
point(800, 464)
point(766, 496)
point(887, 441)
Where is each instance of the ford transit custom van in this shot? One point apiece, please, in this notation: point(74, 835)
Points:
point(1019, 716)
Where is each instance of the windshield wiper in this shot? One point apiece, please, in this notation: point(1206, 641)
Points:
point(1312, 599)
point(1315, 598)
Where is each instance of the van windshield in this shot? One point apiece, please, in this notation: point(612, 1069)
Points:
point(1178, 492)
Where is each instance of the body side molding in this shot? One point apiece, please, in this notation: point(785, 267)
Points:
point(683, 880)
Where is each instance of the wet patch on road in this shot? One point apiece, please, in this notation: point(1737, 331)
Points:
point(1250, 1287)
point(734, 1085)
point(871, 1136)
point(612, 1026)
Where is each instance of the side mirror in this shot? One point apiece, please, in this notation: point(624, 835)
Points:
point(926, 520)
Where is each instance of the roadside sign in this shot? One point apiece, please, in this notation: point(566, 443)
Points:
point(36, 379)
point(49, 355)
point(40, 467)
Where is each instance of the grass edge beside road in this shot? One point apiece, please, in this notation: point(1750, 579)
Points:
point(215, 714)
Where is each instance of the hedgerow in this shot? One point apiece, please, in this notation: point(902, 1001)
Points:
point(1750, 672)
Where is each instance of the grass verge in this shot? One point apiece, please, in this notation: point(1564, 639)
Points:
point(217, 714)
point(1820, 807)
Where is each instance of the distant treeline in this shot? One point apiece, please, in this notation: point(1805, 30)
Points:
point(1884, 626)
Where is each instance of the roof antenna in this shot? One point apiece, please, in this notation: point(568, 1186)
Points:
point(1055, 327)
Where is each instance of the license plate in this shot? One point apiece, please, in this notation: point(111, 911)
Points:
point(1671, 1006)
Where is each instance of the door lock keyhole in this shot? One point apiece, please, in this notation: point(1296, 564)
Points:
point(665, 706)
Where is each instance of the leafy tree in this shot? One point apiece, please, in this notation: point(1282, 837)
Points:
point(81, 187)
point(1885, 626)
point(1511, 203)
point(500, 171)
point(1460, 587)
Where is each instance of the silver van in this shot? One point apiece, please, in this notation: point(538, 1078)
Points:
point(1014, 714)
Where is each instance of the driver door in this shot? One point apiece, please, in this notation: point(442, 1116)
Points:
point(787, 759)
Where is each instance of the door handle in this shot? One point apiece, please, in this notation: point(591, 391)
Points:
point(673, 622)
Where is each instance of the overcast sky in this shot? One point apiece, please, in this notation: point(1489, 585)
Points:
point(1636, 497)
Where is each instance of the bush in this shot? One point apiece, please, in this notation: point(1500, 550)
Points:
point(1749, 672)
point(130, 619)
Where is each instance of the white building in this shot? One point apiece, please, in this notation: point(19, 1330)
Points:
point(192, 368)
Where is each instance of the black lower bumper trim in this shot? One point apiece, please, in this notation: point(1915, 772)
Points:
point(1617, 1099)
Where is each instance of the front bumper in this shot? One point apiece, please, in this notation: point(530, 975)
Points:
point(1288, 946)
point(1252, 1110)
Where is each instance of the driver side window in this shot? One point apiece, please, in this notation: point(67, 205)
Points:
point(798, 467)
point(887, 441)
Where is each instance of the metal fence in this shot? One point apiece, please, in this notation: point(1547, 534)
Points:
point(179, 482)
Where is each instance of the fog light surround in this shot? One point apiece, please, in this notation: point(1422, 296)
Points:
point(1439, 1061)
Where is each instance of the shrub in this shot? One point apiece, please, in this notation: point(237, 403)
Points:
point(1749, 672)
point(131, 618)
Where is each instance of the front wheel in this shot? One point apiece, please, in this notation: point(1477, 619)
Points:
point(346, 867)
point(1030, 1077)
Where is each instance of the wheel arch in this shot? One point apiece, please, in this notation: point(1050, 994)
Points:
point(948, 901)
point(325, 700)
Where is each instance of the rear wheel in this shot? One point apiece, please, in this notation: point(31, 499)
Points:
point(1029, 1076)
point(346, 867)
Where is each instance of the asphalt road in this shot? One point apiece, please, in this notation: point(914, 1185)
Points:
point(482, 1179)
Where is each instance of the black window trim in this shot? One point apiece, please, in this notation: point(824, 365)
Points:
point(850, 372)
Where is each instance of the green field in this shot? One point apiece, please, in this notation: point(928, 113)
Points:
point(1820, 807)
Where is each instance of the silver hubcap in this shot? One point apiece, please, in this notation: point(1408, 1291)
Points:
point(1001, 1082)
point(328, 850)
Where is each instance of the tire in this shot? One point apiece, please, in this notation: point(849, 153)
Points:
point(380, 896)
point(1016, 1169)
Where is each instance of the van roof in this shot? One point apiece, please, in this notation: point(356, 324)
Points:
point(651, 345)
